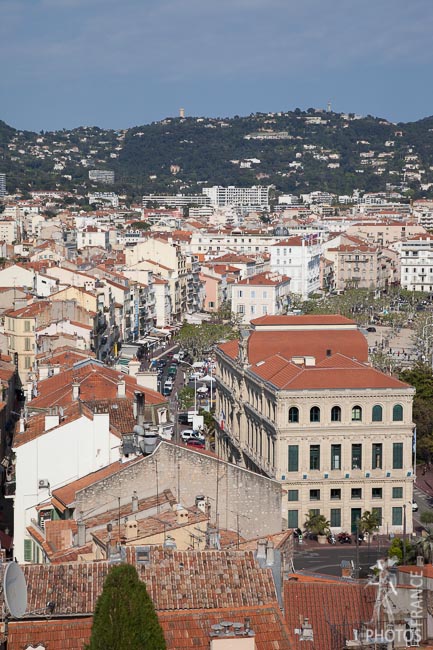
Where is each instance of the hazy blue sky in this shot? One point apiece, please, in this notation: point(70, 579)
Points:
point(119, 63)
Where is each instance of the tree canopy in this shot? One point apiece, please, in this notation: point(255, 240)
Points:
point(125, 616)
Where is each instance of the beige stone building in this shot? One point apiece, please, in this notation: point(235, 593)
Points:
point(360, 267)
point(298, 402)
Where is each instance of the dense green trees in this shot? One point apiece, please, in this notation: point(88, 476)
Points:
point(125, 617)
point(208, 150)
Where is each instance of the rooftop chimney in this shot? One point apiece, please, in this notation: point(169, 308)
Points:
point(22, 422)
point(181, 514)
point(75, 390)
point(52, 419)
point(261, 548)
point(139, 407)
point(131, 529)
point(134, 501)
point(81, 535)
point(270, 553)
point(121, 387)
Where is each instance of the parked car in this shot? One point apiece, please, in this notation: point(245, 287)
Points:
point(191, 434)
point(414, 506)
point(195, 442)
point(371, 329)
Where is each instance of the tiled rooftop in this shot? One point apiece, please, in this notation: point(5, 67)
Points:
point(176, 580)
point(333, 610)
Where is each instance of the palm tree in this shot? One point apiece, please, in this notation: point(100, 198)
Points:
point(424, 545)
point(316, 524)
point(368, 524)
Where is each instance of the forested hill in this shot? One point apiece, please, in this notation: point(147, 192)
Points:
point(295, 151)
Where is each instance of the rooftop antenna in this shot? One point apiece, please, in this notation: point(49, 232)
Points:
point(15, 590)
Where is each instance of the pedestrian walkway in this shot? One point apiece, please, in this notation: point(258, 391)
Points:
point(424, 479)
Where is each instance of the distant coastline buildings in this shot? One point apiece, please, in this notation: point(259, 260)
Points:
point(256, 197)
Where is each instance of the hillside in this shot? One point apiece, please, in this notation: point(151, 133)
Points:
point(295, 151)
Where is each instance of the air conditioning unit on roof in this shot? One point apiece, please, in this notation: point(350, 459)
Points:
point(44, 484)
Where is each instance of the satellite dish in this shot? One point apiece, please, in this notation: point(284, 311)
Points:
point(15, 590)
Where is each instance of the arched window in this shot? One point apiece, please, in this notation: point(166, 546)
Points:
point(356, 413)
point(293, 414)
point(314, 414)
point(397, 413)
point(376, 413)
point(336, 414)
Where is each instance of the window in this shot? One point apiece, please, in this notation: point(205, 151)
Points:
point(356, 456)
point(335, 519)
point(211, 304)
point(397, 413)
point(315, 414)
point(241, 309)
point(265, 294)
point(376, 461)
point(356, 493)
point(292, 519)
point(376, 493)
point(335, 493)
point(293, 414)
point(336, 414)
point(293, 495)
point(356, 414)
point(378, 512)
point(240, 293)
point(293, 465)
point(314, 511)
point(397, 516)
point(315, 495)
point(27, 344)
point(397, 492)
point(314, 456)
point(376, 413)
point(27, 363)
point(335, 456)
point(253, 309)
point(27, 326)
point(28, 550)
point(253, 294)
point(397, 455)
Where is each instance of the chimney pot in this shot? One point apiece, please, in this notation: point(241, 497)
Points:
point(75, 390)
point(134, 501)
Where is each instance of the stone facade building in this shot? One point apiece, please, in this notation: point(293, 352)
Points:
point(298, 402)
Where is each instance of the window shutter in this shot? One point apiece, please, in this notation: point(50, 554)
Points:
point(28, 550)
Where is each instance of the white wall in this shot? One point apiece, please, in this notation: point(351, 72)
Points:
point(61, 455)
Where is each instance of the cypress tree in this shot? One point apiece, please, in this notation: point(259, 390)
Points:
point(125, 617)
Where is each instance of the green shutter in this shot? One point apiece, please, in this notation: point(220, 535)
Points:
point(397, 455)
point(293, 495)
point(28, 550)
point(397, 516)
point(292, 519)
point(335, 517)
point(293, 458)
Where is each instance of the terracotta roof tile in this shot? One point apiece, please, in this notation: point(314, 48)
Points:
point(333, 609)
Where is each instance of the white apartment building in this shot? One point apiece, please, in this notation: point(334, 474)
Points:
point(175, 200)
point(416, 263)
point(2, 184)
point(298, 402)
point(252, 197)
point(258, 295)
point(8, 230)
point(92, 236)
point(101, 175)
point(299, 258)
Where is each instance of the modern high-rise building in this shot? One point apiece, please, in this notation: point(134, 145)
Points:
point(2, 184)
point(253, 197)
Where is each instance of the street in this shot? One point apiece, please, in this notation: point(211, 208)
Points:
point(327, 558)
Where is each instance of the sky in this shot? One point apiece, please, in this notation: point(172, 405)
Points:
point(122, 63)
